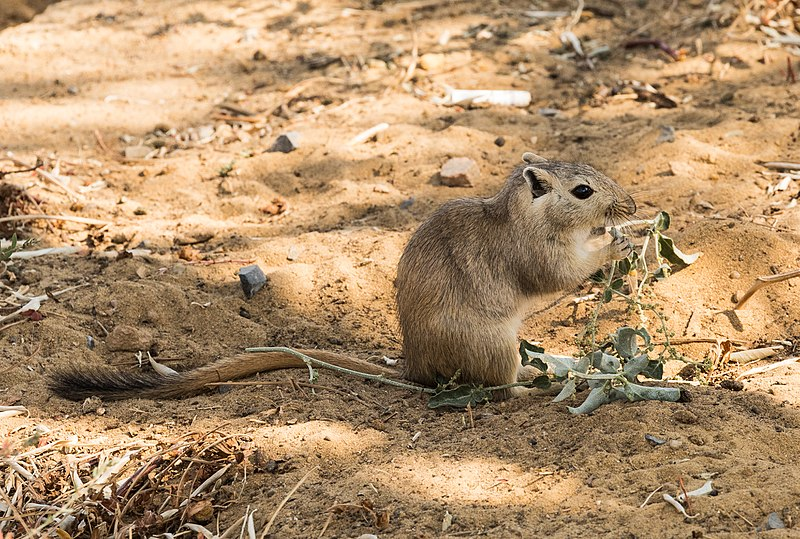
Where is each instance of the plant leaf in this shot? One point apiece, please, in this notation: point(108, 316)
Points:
point(459, 397)
point(626, 342)
point(654, 370)
point(566, 392)
point(596, 398)
point(598, 276)
point(560, 365)
point(605, 363)
point(670, 251)
point(636, 392)
point(527, 359)
point(661, 222)
point(662, 272)
point(542, 382)
point(634, 366)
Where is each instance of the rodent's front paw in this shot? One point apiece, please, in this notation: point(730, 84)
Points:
point(620, 247)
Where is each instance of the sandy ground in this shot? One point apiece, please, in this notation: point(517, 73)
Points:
point(84, 80)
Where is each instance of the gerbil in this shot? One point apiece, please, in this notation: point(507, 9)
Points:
point(469, 272)
point(463, 283)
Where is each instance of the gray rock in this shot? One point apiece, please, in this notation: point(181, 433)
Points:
point(252, 279)
point(774, 522)
point(288, 142)
point(667, 134)
point(459, 172)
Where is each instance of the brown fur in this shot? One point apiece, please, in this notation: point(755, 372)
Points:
point(463, 284)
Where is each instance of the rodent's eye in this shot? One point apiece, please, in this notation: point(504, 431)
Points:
point(583, 192)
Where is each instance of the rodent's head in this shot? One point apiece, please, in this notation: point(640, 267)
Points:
point(575, 194)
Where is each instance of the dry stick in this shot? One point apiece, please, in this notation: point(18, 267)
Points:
point(771, 366)
point(327, 523)
point(693, 340)
point(99, 138)
point(368, 134)
point(53, 178)
point(16, 512)
point(781, 165)
point(284, 502)
point(74, 218)
point(414, 58)
point(763, 281)
point(313, 361)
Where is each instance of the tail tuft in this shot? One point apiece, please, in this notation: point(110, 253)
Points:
point(77, 383)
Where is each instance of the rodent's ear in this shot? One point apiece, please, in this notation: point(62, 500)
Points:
point(538, 181)
point(531, 158)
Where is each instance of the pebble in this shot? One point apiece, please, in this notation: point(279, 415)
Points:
point(549, 113)
point(735, 275)
point(736, 295)
point(459, 172)
point(432, 61)
point(654, 440)
point(205, 131)
point(685, 416)
point(294, 253)
point(499, 142)
point(124, 338)
point(681, 168)
point(137, 152)
point(774, 522)
point(287, 142)
point(674, 444)
point(252, 280)
point(667, 134)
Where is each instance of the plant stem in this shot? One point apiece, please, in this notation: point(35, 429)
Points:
point(312, 361)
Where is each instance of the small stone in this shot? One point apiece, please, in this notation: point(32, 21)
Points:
point(459, 172)
point(549, 113)
point(205, 132)
point(685, 416)
point(202, 511)
point(499, 142)
point(432, 61)
point(667, 134)
point(294, 253)
point(654, 440)
point(736, 295)
point(252, 279)
point(735, 275)
point(288, 142)
point(137, 152)
point(697, 440)
point(140, 211)
point(72, 90)
point(29, 276)
point(124, 338)
point(731, 385)
point(775, 522)
point(681, 168)
point(244, 313)
point(381, 188)
point(674, 444)
point(407, 203)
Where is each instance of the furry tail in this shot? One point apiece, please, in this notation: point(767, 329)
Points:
point(80, 382)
